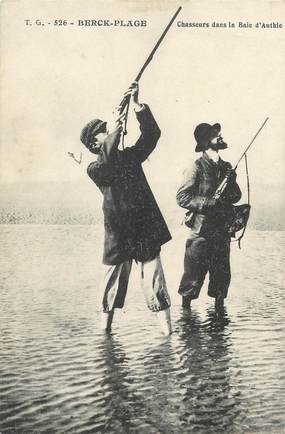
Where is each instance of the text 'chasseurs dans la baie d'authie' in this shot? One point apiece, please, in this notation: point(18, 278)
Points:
point(135, 23)
point(231, 25)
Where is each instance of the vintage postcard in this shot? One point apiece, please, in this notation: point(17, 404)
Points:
point(119, 117)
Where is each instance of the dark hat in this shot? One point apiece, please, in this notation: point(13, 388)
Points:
point(202, 135)
point(93, 127)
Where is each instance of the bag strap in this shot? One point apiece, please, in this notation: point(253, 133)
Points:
point(248, 199)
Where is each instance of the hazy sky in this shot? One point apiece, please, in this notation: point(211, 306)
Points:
point(57, 78)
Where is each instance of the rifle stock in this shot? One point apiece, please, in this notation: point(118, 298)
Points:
point(218, 193)
point(123, 104)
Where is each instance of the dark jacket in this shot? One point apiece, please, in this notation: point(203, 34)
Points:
point(134, 226)
point(199, 184)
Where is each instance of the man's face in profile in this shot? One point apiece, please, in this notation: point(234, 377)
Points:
point(217, 141)
point(97, 141)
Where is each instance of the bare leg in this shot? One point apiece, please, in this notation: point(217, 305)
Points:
point(106, 321)
point(155, 292)
point(165, 321)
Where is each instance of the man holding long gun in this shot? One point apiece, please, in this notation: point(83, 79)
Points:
point(208, 245)
point(208, 192)
point(134, 226)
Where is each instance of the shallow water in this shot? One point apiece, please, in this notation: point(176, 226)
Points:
point(60, 374)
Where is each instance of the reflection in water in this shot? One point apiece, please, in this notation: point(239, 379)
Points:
point(210, 402)
point(114, 393)
point(183, 382)
point(134, 392)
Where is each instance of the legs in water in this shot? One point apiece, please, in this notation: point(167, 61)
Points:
point(219, 271)
point(196, 265)
point(186, 302)
point(219, 301)
point(165, 321)
point(115, 285)
point(155, 292)
point(114, 288)
point(106, 321)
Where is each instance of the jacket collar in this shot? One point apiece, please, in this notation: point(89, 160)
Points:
point(209, 160)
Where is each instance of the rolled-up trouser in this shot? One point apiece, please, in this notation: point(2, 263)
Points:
point(116, 279)
point(204, 255)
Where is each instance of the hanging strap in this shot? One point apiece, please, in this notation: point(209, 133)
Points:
point(248, 198)
point(142, 270)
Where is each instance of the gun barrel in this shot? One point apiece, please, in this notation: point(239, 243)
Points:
point(158, 44)
point(242, 155)
point(223, 184)
point(125, 100)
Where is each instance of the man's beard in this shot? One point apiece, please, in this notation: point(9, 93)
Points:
point(219, 145)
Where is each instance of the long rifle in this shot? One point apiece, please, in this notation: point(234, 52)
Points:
point(126, 99)
point(124, 104)
point(224, 182)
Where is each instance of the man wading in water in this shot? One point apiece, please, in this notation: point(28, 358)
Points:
point(208, 246)
point(134, 226)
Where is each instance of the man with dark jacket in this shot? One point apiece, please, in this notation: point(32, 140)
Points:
point(208, 246)
point(134, 226)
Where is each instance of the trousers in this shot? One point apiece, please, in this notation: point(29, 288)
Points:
point(153, 284)
point(203, 255)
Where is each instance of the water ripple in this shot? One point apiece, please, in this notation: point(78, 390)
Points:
point(60, 374)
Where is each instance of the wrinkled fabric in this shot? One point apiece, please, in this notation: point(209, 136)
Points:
point(202, 255)
point(208, 245)
point(134, 225)
point(153, 284)
point(199, 184)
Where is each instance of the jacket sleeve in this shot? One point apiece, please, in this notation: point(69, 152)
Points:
point(187, 195)
point(150, 134)
point(100, 171)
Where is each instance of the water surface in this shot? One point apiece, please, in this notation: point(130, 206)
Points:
point(60, 374)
